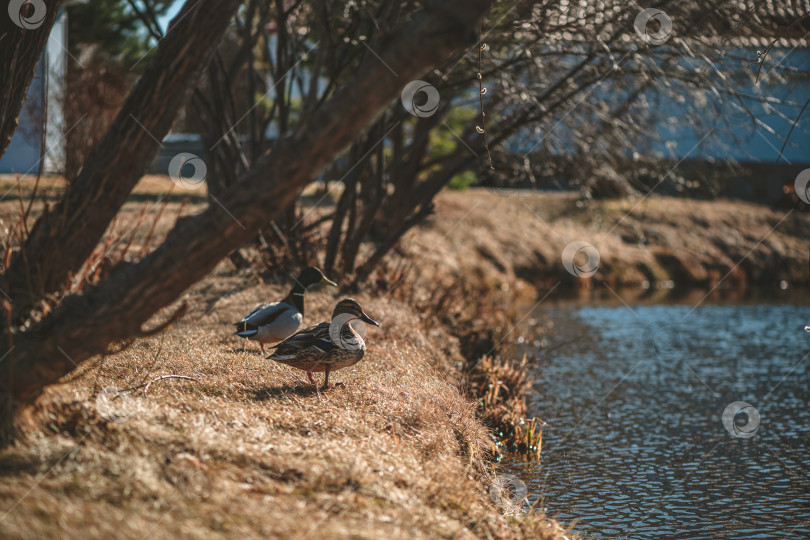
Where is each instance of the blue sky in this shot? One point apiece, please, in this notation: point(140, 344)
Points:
point(164, 21)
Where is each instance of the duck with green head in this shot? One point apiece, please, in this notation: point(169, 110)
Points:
point(327, 346)
point(272, 322)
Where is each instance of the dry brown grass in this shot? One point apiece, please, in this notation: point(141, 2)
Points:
point(251, 449)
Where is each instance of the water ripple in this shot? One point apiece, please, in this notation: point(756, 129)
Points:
point(635, 446)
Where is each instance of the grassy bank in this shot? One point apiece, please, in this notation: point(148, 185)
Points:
point(399, 450)
point(247, 447)
point(508, 235)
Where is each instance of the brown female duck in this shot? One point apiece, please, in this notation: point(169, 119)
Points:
point(329, 345)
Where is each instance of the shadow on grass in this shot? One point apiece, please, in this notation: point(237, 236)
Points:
point(15, 465)
point(303, 389)
point(250, 350)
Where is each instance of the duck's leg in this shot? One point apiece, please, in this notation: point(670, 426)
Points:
point(262, 346)
point(326, 379)
point(311, 378)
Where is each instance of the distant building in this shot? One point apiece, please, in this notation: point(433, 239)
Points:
point(42, 107)
point(726, 141)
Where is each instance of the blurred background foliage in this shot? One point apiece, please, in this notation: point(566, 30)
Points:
point(575, 99)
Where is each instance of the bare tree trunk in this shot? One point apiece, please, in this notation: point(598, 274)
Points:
point(84, 325)
point(22, 41)
point(61, 240)
point(372, 194)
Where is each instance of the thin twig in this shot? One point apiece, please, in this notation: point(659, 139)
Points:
point(146, 386)
point(806, 103)
point(133, 233)
point(162, 377)
point(762, 54)
point(148, 19)
point(23, 225)
point(148, 240)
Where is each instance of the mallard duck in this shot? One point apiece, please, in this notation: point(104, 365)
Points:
point(272, 322)
point(329, 345)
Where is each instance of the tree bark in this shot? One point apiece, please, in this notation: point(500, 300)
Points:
point(62, 239)
point(84, 325)
point(21, 44)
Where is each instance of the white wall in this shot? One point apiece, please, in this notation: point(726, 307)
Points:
point(24, 151)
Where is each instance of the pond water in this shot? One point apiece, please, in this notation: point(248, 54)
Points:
point(637, 445)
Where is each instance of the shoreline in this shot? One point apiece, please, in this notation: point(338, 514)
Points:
point(692, 244)
point(399, 450)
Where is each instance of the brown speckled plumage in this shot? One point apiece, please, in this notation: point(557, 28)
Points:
point(314, 349)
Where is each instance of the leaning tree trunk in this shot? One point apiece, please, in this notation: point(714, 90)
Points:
point(22, 40)
point(84, 325)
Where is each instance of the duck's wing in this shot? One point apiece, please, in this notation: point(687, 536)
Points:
point(316, 337)
point(262, 315)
